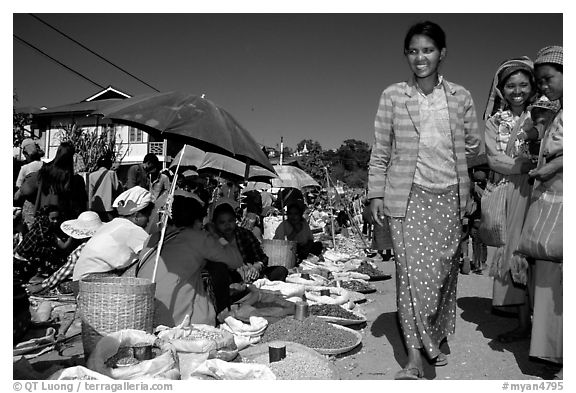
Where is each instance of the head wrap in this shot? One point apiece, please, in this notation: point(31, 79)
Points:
point(544, 103)
point(550, 54)
point(496, 99)
point(132, 200)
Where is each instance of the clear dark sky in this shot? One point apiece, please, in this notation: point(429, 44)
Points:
point(300, 76)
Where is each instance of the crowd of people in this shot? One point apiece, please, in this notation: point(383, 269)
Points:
point(422, 206)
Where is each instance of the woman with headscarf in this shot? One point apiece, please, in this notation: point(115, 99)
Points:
point(547, 333)
point(186, 251)
point(425, 129)
point(509, 159)
point(117, 243)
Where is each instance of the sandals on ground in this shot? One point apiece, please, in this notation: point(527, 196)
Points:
point(409, 373)
point(440, 360)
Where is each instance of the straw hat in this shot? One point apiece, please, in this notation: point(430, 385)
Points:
point(132, 200)
point(82, 227)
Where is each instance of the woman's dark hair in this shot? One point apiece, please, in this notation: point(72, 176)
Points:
point(430, 30)
point(224, 208)
point(530, 76)
point(186, 211)
point(297, 206)
point(556, 66)
point(152, 158)
point(105, 160)
point(57, 174)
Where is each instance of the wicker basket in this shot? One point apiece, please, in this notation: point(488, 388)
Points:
point(280, 252)
point(110, 304)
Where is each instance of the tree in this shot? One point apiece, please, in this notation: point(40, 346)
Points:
point(311, 146)
point(92, 144)
point(19, 120)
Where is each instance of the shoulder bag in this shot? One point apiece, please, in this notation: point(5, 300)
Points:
point(542, 235)
point(492, 230)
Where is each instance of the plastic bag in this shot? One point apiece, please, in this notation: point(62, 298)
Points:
point(284, 288)
point(181, 337)
point(245, 334)
point(218, 369)
point(164, 366)
point(78, 372)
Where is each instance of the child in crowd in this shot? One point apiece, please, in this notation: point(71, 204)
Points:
point(42, 249)
point(479, 249)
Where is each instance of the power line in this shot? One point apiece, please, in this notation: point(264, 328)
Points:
point(57, 61)
point(94, 53)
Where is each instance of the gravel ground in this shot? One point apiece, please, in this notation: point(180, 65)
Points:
point(473, 352)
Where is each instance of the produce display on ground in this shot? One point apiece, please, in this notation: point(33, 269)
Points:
point(299, 365)
point(332, 310)
point(356, 286)
point(311, 332)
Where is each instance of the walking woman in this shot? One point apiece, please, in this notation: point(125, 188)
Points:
point(425, 129)
point(547, 333)
point(513, 89)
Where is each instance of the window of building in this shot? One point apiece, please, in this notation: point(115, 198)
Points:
point(134, 135)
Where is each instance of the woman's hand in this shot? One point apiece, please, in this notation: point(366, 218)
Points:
point(249, 273)
point(377, 210)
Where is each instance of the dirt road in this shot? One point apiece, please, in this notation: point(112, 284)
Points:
point(473, 350)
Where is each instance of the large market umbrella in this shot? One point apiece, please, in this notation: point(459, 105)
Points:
point(215, 162)
point(189, 119)
point(291, 176)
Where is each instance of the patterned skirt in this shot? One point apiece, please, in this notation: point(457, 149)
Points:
point(426, 244)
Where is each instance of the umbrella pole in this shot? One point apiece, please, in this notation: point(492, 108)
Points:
point(331, 209)
point(167, 211)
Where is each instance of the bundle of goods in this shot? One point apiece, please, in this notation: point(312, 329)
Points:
point(134, 354)
point(78, 373)
point(355, 285)
point(199, 338)
point(288, 290)
point(335, 295)
point(307, 279)
point(313, 332)
point(259, 303)
point(300, 363)
point(336, 314)
point(374, 273)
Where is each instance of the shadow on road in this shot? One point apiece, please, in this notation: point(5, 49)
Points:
point(491, 323)
point(387, 325)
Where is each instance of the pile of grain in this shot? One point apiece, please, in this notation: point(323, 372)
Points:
point(311, 332)
point(332, 310)
point(296, 365)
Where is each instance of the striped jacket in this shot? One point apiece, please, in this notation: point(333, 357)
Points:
point(396, 138)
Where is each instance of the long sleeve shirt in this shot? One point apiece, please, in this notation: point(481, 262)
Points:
point(396, 143)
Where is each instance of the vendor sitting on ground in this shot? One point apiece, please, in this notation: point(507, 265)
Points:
point(82, 229)
point(186, 250)
point(295, 228)
point(117, 243)
point(41, 251)
point(255, 260)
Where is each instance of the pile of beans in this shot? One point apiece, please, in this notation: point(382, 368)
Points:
point(332, 310)
point(366, 268)
point(296, 365)
point(357, 286)
point(311, 332)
